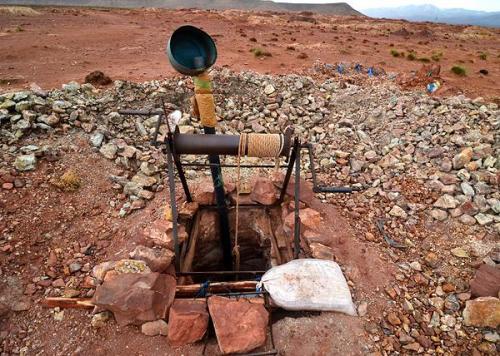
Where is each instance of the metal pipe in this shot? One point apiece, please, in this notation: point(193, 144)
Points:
point(234, 165)
point(140, 112)
point(321, 188)
point(173, 204)
point(220, 198)
point(297, 204)
point(289, 170)
point(195, 144)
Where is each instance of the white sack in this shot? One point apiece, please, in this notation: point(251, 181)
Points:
point(309, 284)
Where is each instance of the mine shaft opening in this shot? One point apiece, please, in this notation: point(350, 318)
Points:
point(258, 227)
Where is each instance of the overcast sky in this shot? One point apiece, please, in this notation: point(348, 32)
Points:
point(486, 5)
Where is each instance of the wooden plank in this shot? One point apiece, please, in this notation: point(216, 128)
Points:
point(187, 291)
point(274, 243)
point(78, 303)
point(187, 262)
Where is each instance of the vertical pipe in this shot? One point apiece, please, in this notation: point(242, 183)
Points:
point(173, 203)
point(289, 170)
point(297, 203)
point(204, 105)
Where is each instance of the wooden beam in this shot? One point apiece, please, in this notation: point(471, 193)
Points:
point(187, 291)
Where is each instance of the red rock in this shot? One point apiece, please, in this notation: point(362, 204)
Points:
point(188, 321)
point(321, 251)
point(188, 209)
point(157, 259)
point(486, 282)
point(7, 186)
point(482, 312)
point(308, 217)
point(240, 325)
point(134, 298)
point(203, 192)
point(264, 191)
point(58, 283)
point(306, 194)
point(52, 260)
point(161, 233)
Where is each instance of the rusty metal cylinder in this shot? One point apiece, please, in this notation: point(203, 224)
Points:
point(218, 144)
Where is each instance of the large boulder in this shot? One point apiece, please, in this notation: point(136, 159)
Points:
point(135, 298)
point(188, 321)
point(240, 325)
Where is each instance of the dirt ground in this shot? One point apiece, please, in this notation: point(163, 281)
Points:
point(63, 44)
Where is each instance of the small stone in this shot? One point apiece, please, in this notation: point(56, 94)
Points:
point(97, 139)
point(398, 212)
point(362, 308)
point(109, 150)
point(269, 89)
point(467, 189)
point(99, 320)
point(467, 220)
point(59, 315)
point(7, 186)
point(446, 201)
point(483, 219)
point(99, 271)
point(437, 303)
point(321, 251)
point(393, 319)
point(459, 252)
point(432, 260)
point(416, 266)
point(75, 267)
point(448, 320)
point(25, 162)
point(492, 336)
point(461, 159)
point(148, 169)
point(154, 328)
point(128, 152)
point(439, 214)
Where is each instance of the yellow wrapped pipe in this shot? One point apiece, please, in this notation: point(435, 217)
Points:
point(204, 103)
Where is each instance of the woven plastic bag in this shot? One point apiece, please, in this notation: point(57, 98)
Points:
point(309, 284)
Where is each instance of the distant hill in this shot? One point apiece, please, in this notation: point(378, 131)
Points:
point(435, 14)
point(341, 8)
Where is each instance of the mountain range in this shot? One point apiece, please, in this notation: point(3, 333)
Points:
point(435, 14)
point(339, 8)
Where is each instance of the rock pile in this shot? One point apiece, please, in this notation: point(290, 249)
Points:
point(365, 135)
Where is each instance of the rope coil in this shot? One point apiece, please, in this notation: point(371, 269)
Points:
point(253, 145)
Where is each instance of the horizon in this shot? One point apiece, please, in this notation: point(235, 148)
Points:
point(480, 5)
